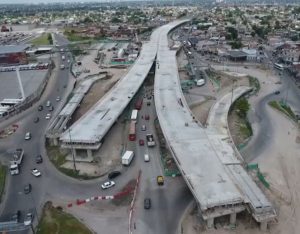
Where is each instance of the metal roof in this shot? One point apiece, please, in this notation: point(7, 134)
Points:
point(7, 49)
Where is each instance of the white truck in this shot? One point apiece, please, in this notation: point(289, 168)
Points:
point(150, 140)
point(16, 160)
point(63, 57)
point(127, 158)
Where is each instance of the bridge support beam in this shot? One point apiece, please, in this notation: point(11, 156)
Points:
point(55, 141)
point(233, 218)
point(264, 226)
point(89, 153)
point(210, 223)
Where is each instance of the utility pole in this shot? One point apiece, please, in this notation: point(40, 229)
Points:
point(72, 149)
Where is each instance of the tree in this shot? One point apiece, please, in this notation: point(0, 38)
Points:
point(49, 38)
point(242, 105)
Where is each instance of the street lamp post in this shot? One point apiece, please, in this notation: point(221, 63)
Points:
point(73, 156)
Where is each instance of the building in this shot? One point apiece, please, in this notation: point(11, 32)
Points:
point(13, 55)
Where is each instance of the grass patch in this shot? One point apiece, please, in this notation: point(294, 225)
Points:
point(72, 36)
point(254, 82)
point(284, 109)
point(42, 40)
point(54, 220)
point(58, 159)
point(3, 171)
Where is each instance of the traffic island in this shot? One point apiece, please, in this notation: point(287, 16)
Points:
point(55, 220)
point(285, 109)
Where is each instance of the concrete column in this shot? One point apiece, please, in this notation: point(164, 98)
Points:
point(89, 153)
point(210, 223)
point(74, 153)
point(55, 141)
point(232, 218)
point(263, 226)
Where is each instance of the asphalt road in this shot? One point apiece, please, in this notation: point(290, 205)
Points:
point(290, 93)
point(16, 199)
point(168, 201)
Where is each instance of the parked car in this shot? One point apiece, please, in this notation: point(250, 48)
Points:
point(39, 159)
point(40, 108)
point(28, 219)
point(51, 108)
point(147, 117)
point(58, 98)
point(147, 203)
point(108, 184)
point(27, 188)
point(36, 172)
point(143, 128)
point(113, 174)
point(141, 142)
point(36, 119)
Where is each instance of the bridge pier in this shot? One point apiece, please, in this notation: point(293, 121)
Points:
point(264, 226)
point(233, 218)
point(210, 223)
point(89, 153)
point(55, 141)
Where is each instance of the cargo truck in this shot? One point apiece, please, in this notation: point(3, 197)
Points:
point(127, 158)
point(16, 160)
point(150, 140)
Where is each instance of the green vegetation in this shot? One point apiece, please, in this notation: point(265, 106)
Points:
point(254, 82)
point(58, 159)
point(73, 36)
point(44, 39)
point(2, 180)
point(242, 106)
point(284, 109)
point(54, 220)
point(237, 44)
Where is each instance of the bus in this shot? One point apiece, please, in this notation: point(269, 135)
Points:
point(134, 115)
point(278, 66)
point(138, 104)
point(132, 135)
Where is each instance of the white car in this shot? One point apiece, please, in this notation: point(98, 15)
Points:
point(48, 116)
point(36, 172)
point(108, 184)
point(27, 136)
point(28, 219)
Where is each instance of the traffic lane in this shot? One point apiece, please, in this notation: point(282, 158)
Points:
point(265, 129)
point(168, 203)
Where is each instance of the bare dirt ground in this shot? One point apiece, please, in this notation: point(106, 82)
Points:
point(96, 92)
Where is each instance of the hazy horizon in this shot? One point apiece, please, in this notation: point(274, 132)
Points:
point(55, 1)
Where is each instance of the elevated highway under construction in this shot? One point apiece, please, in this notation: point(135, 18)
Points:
point(206, 158)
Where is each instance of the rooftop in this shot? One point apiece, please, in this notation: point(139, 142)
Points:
point(6, 49)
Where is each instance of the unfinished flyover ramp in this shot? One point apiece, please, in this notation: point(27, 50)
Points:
point(87, 132)
point(208, 164)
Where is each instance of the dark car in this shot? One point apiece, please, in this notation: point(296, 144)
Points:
point(40, 108)
point(277, 92)
point(16, 216)
point(39, 159)
point(51, 108)
point(141, 142)
point(27, 188)
point(113, 174)
point(147, 203)
point(36, 119)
